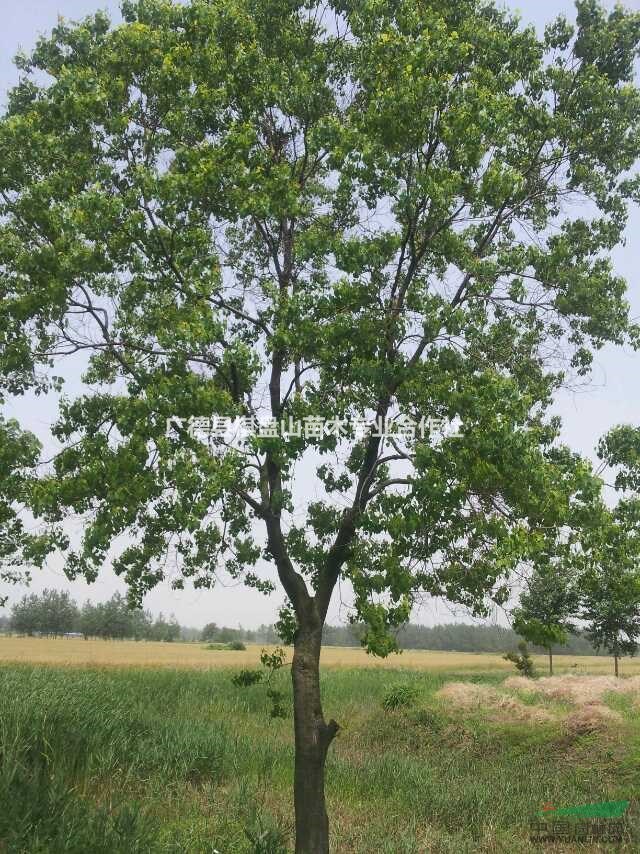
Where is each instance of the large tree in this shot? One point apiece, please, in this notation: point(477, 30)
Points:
point(363, 210)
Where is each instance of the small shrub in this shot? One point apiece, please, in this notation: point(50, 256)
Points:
point(245, 678)
point(399, 696)
point(236, 645)
point(522, 660)
point(219, 646)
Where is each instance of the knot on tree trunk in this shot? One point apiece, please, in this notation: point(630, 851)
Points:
point(330, 732)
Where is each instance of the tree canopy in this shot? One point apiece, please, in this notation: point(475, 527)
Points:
point(253, 210)
point(376, 214)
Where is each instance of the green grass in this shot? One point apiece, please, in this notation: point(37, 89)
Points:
point(115, 761)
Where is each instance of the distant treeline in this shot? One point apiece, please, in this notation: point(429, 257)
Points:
point(455, 637)
point(55, 613)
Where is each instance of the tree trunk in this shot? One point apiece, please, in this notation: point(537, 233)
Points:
point(312, 739)
point(550, 661)
point(615, 658)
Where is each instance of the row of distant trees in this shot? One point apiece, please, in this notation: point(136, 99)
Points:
point(542, 617)
point(453, 637)
point(55, 613)
point(457, 637)
point(213, 633)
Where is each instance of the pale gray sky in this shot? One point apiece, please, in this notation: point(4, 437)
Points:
point(612, 396)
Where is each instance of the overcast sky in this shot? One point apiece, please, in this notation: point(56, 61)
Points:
point(612, 396)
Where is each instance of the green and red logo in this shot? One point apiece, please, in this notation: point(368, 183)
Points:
point(603, 822)
point(607, 809)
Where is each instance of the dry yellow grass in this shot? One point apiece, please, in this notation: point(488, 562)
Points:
point(574, 689)
point(594, 717)
point(75, 651)
point(465, 695)
point(586, 693)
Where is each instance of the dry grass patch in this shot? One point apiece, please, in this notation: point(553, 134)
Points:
point(469, 696)
point(591, 718)
point(578, 690)
point(585, 694)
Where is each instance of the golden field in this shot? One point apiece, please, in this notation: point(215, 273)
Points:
point(112, 653)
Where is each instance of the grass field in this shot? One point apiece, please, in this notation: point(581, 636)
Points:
point(103, 760)
point(100, 653)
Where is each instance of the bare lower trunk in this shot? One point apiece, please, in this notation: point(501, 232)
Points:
point(550, 661)
point(312, 739)
point(615, 658)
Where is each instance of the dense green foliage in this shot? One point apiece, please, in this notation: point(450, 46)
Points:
point(593, 572)
point(20, 547)
point(399, 696)
point(224, 634)
point(362, 215)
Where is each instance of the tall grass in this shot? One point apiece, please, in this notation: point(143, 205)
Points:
point(184, 761)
